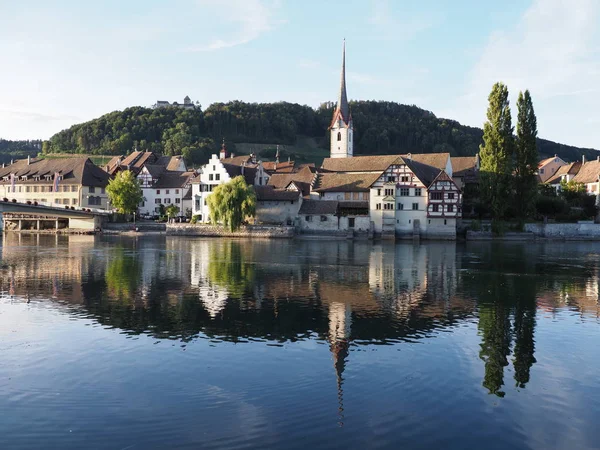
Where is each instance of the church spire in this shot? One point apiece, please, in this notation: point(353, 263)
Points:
point(342, 104)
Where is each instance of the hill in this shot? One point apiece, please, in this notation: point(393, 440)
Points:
point(10, 150)
point(380, 128)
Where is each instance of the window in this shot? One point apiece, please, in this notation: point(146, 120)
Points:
point(388, 206)
point(157, 201)
point(308, 218)
point(217, 176)
point(35, 189)
point(204, 202)
point(542, 171)
point(177, 200)
point(92, 190)
point(404, 192)
point(103, 191)
point(435, 208)
point(378, 206)
point(347, 195)
point(156, 210)
point(323, 218)
point(339, 135)
point(197, 204)
point(415, 206)
point(177, 191)
point(400, 206)
point(158, 191)
point(389, 192)
point(417, 192)
point(167, 191)
point(214, 168)
point(73, 188)
point(437, 196)
point(450, 195)
point(450, 208)
point(379, 192)
point(210, 177)
point(73, 201)
point(391, 178)
point(404, 179)
point(350, 222)
point(356, 195)
point(94, 201)
point(28, 189)
point(444, 221)
point(167, 201)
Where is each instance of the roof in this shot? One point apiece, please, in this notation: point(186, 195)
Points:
point(543, 162)
point(588, 173)
point(310, 207)
point(169, 162)
point(443, 176)
point(281, 167)
point(235, 171)
point(437, 160)
point(155, 170)
point(377, 163)
point(73, 171)
point(463, 164)
point(173, 180)
point(569, 169)
point(342, 110)
point(238, 160)
point(303, 179)
point(345, 182)
point(426, 174)
point(269, 193)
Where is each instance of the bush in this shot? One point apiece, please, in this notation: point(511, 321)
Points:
point(4, 199)
point(475, 225)
point(498, 227)
point(195, 218)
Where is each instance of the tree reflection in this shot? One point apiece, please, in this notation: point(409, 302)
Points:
point(524, 333)
point(228, 268)
point(123, 274)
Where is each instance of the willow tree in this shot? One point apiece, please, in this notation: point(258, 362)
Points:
point(231, 203)
point(496, 153)
point(526, 157)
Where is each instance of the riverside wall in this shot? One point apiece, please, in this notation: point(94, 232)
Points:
point(250, 231)
point(582, 231)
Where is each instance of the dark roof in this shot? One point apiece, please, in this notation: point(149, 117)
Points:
point(588, 173)
point(72, 170)
point(169, 162)
point(310, 207)
point(303, 179)
point(377, 163)
point(345, 182)
point(437, 160)
point(238, 160)
point(173, 180)
point(235, 171)
point(426, 174)
point(461, 165)
point(155, 170)
point(268, 193)
point(569, 169)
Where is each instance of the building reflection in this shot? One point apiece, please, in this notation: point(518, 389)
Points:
point(343, 293)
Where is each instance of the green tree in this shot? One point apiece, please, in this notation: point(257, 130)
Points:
point(124, 192)
point(172, 211)
point(231, 203)
point(526, 157)
point(496, 153)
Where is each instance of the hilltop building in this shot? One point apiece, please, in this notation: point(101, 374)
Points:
point(187, 104)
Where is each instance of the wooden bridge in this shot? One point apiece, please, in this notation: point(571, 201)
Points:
point(49, 218)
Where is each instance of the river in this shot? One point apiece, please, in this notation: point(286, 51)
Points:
point(168, 342)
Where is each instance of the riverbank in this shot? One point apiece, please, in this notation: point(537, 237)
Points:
point(543, 232)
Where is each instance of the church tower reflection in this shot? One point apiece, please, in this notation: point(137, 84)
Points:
point(340, 322)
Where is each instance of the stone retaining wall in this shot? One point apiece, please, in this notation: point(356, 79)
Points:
point(250, 231)
point(564, 230)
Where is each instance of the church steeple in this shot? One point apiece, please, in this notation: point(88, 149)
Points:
point(341, 123)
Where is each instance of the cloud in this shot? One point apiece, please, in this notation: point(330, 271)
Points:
point(553, 51)
point(248, 18)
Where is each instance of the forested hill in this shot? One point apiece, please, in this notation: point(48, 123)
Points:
point(380, 127)
point(10, 150)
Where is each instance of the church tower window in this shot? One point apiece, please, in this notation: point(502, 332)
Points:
point(339, 135)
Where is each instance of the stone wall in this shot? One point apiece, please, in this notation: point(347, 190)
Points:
point(564, 230)
point(141, 226)
point(250, 231)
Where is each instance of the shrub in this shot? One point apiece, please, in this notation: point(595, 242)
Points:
point(195, 218)
point(29, 202)
point(35, 203)
point(4, 199)
point(475, 225)
point(498, 227)
point(14, 200)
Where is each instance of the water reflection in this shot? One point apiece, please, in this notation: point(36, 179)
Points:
point(343, 293)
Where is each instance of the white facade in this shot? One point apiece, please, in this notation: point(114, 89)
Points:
point(153, 198)
point(342, 140)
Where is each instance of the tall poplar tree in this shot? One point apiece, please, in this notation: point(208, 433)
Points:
point(496, 153)
point(526, 157)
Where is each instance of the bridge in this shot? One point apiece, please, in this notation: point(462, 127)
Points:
point(47, 217)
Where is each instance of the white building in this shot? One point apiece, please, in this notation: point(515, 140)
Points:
point(341, 129)
point(187, 104)
point(221, 170)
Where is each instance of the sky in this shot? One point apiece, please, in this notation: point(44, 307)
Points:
point(68, 61)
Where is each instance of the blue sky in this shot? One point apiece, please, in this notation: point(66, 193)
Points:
point(65, 62)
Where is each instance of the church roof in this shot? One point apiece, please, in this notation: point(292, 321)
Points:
point(345, 182)
point(377, 163)
point(438, 160)
point(342, 109)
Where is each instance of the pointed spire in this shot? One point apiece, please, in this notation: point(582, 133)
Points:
point(342, 104)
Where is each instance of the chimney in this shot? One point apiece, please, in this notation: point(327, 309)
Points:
point(582, 159)
point(242, 167)
point(409, 156)
point(28, 160)
point(232, 155)
point(598, 158)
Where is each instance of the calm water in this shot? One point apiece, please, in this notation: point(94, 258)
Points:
point(159, 342)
